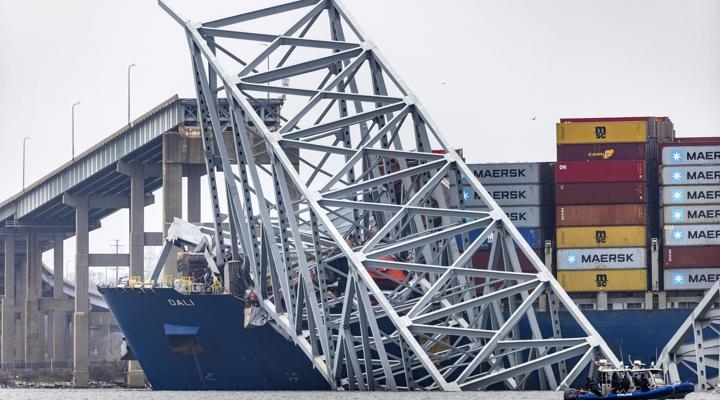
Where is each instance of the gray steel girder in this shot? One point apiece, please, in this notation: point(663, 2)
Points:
point(366, 257)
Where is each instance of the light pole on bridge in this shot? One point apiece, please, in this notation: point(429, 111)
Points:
point(25, 139)
point(128, 82)
point(73, 129)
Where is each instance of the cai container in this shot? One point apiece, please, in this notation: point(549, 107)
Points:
point(601, 132)
point(601, 152)
point(601, 236)
point(600, 193)
point(605, 214)
point(691, 257)
point(610, 258)
point(599, 171)
point(604, 280)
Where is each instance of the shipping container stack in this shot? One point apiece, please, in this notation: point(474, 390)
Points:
point(606, 194)
point(691, 213)
point(524, 192)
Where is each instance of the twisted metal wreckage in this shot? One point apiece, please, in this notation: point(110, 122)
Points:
point(349, 220)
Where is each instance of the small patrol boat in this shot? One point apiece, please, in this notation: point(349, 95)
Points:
point(637, 382)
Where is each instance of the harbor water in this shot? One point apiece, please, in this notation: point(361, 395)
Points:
point(121, 394)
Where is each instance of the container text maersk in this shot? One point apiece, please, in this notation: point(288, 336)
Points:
point(500, 173)
point(704, 195)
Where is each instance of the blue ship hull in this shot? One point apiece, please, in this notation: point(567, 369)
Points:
point(199, 342)
point(631, 334)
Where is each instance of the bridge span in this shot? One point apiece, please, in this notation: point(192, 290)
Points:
point(49, 324)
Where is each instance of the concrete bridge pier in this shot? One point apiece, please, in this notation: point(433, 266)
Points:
point(20, 316)
point(137, 174)
point(81, 328)
point(59, 315)
point(34, 317)
point(172, 197)
point(7, 343)
point(193, 174)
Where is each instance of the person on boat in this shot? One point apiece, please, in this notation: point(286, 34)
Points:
point(208, 277)
point(615, 382)
point(625, 383)
point(644, 383)
point(592, 386)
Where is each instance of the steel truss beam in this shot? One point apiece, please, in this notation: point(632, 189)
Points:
point(695, 347)
point(361, 249)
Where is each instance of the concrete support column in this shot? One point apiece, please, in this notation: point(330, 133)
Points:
point(81, 329)
point(20, 295)
point(7, 340)
point(136, 377)
point(193, 193)
point(172, 207)
point(59, 357)
point(137, 221)
point(34, 319)
point(137, 173)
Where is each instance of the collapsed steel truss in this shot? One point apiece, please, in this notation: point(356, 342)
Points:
point(695, 347)
point(355, 236)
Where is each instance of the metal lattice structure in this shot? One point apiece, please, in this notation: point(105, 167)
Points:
point(355, 235)
point(695, 347)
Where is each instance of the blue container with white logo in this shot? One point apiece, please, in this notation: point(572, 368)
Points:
point(533, 236)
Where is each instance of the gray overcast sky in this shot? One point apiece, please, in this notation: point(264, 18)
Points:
point(502, 62)
point(482, 68)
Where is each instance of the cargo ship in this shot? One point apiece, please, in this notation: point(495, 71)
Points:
point(187, 340)
point(627, 219)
